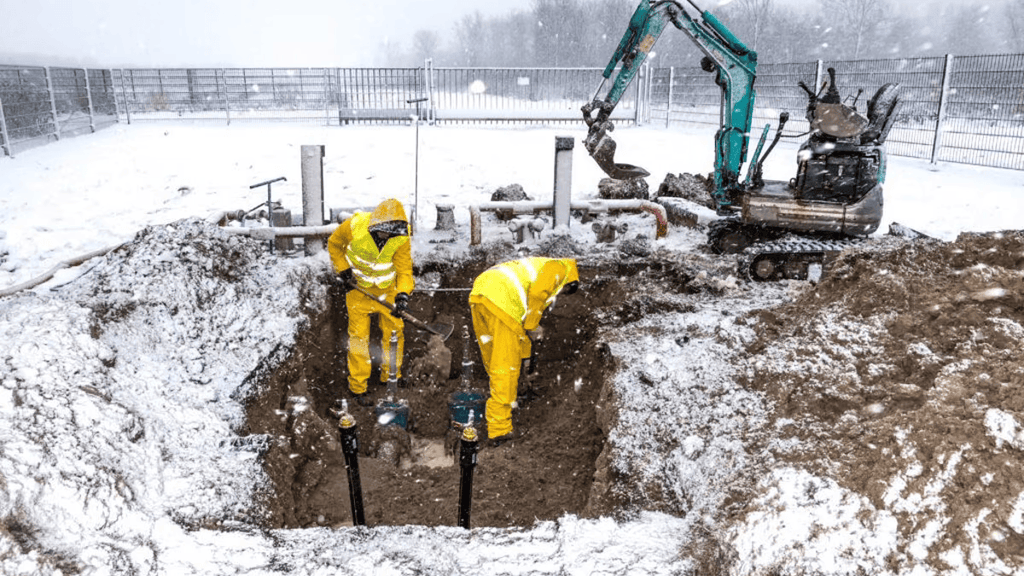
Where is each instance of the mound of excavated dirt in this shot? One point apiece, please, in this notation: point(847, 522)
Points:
point(902, 376)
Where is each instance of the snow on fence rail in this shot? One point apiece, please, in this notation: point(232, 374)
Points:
point(965, 109)
point(40, 105)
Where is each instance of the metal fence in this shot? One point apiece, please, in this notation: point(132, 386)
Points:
point(338, 96)
point(39, 105)
point(967, 109)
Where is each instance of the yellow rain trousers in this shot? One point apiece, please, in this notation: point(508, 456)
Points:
point(506, 301)
point(360, 307)
point(381, 272)
point(503, 346)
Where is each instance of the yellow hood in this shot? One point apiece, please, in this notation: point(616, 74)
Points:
point(390, 210)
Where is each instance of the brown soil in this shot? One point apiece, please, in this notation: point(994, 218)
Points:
point(886, 377)
point(888, 371)
point(413, 477)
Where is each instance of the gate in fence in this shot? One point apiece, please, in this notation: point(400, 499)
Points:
point(967, 109)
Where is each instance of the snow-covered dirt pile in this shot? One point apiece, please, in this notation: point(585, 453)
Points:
point(118, 396)
point(899, 382)
point(868, 424)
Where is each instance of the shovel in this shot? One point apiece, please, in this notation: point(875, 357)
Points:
point(441, 329)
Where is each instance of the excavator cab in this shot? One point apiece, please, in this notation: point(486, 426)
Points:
point(843, 159)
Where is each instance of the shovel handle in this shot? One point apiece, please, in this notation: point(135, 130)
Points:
point(401, 313)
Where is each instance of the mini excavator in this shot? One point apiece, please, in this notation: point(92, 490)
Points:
point(779, 229)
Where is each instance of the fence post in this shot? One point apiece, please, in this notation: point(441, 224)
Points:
point(53, 103)
point(124, 95)
point(3, 132)
point(671, 84)
point(88, 95)
point(428, 66)
point(223, 95)
point(327, 98)
point(947, 72)
point(637, 119)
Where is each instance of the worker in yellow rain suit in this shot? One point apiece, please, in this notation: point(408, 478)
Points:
point(372, 249)
point(507, 301)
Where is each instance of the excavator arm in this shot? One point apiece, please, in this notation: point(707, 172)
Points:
point(735, 70)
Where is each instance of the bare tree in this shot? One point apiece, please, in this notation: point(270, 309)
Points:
point(558, 38)
point(752, 18)
point(425, 44)
point(854, 21)
point(1015, 20)
point(469, 40)
point(969, 32)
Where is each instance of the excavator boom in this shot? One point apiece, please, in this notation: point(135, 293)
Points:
point(735, 67)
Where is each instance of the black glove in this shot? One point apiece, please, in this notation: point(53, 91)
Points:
point(401, 304)
point(346, 279)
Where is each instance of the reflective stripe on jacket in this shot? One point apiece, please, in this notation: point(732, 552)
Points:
point(370, 266)
point(525, 288)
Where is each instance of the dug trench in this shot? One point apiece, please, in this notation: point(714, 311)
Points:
point(412, 477)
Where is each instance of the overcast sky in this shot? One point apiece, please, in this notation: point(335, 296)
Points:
point(240, 33)
point(198, 33)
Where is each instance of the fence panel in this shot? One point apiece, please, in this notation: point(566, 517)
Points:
point(543, 95)
point(101, 92)
point(227, 95)
point(72, 101)
point(27, 110)
point(984, 120)
point(379, 95)
point(40, 104)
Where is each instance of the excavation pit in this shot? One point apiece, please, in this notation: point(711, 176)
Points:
point(412, 477)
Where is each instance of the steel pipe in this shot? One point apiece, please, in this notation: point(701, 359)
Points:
point(350, 448)
point(595, 206)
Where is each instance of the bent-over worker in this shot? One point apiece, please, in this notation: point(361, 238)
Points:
point(507, 301)
point(372, 250)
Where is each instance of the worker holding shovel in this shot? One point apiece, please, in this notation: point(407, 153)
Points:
point(372, 258)
point(507, 302)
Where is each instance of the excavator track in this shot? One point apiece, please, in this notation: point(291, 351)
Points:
point(793, 259)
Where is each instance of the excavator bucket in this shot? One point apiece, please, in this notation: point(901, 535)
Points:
point(602, 149)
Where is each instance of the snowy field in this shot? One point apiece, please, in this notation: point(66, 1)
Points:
point(116, 438)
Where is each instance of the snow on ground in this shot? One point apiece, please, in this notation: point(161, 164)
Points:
point(122, 378)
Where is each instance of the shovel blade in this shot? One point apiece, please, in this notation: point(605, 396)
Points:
point(441, 329)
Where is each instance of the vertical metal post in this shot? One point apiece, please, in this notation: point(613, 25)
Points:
point(88, 94)
point(467, 461)
point(428, 72)
point(327, 98)
point(124, 94)
point(53, 103)
point(947, 73)
point(270, 205)
point(8, 149)
point(671, 85)
point(313, 193)
point(350, 449)
point(223, 94)
point(636, 104)
point(563, 180)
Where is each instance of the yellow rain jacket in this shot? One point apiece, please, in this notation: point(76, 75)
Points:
point(506, 301)
point(384, 273)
